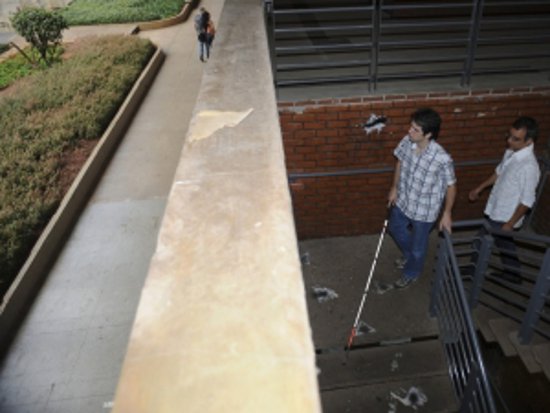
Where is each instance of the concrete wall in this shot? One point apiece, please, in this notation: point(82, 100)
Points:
point(327, 136)
point(222, 323)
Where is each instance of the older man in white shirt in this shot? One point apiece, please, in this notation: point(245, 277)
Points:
point(514, 185)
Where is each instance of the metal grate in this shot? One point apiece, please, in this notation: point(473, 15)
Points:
point(350, 41)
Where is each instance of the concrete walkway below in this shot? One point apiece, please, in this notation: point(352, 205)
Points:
point(68, 352)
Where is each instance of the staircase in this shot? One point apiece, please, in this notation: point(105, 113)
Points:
point(405, 356)
point(514, 317)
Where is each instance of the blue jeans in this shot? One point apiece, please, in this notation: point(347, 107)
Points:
point(204, 49)
point(412, 239)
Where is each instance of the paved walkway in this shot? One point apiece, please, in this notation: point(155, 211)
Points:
point(68, 353)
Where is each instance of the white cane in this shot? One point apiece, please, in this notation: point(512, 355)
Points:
point(363, 299)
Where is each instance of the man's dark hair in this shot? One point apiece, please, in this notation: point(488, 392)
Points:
point(429, 120)
point(530, 125)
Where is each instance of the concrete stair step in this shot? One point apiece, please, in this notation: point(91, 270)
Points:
point(381, 364)
point(482, 315)
point(494, 329)
point(542, 355)
point(498, 305)
point(502, 327)
point(526, 354)
point(378, 398)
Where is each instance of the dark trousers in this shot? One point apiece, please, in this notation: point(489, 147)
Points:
point(508, 257)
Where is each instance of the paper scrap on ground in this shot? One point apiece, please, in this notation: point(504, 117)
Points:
point(207, 122)
point(394, 363)
point(363, 328)
point(382, 288)
point(323, 294)
point(414, 397)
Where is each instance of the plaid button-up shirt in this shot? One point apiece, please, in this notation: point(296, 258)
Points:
point(423, 180)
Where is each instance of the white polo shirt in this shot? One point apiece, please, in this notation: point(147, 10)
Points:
point(517, 177)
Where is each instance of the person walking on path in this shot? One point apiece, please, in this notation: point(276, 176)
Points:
point(514, 186)
point(201, 27)
point(424, 177)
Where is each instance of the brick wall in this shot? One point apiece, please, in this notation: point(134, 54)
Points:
point(327, 136)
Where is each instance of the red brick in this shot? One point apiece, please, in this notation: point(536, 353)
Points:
point(314, 125)
point(290, 126)
point(304, 134)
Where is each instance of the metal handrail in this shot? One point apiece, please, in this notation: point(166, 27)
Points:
point(526, 303)
point(465, 30)
point(449, 305)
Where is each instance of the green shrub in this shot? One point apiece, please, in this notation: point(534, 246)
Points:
point(42, 29)
point(119, 11)
point(50, 113)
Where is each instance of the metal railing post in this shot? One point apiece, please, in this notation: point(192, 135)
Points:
point(269, 22)
point(543, 181)
point(536, 302)
point(477, 13)
point(482, 263)
point(375, 43)
point(439, 275)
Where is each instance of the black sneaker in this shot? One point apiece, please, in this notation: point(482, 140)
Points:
point(404, 282)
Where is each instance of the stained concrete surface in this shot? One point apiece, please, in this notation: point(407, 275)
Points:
point(222, 322)
point(403, 352)
point(343, 265)
point(68, 352)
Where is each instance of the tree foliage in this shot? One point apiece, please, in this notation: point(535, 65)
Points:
point(42, 29)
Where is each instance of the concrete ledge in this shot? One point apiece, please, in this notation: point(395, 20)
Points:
point(30, 278)
point(181, 17)
point(222, 323)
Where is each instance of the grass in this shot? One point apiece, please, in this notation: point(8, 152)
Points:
point(50, 113)
point(18, 66)
point(82, 12)
point(13, 69)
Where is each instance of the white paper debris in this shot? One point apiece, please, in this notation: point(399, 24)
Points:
point(382, 288)
point(414, 397)
point(364, 328)
point(323, 294)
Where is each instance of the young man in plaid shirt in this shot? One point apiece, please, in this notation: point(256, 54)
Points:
point(424, 180)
